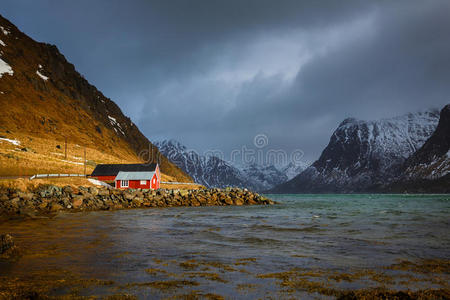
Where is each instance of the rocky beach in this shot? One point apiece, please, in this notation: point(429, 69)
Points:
point(49, 199)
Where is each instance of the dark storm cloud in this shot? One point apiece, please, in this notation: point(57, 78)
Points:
point(213, 74)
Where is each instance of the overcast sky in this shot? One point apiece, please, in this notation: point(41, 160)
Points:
point(213, 74)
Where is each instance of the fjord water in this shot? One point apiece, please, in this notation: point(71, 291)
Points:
point(238, 243)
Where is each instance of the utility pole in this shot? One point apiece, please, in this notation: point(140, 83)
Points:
point(150, 153)
point(65, 148)
point(85, 161)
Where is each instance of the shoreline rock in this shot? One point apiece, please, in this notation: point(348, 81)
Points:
point(8, 249)
point(50, 199)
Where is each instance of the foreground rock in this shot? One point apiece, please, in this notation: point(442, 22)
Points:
point(7, 247)
point(51, 199)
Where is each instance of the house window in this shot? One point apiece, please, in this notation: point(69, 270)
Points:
point(143, 182)
point(124, 183)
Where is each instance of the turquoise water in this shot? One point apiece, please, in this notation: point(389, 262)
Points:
point(337, 233)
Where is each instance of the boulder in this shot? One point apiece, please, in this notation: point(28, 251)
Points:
point(184, 193)
point(138, 201)
point(15, 202)
point(50, 190)
point(7, 246)
point(228, 200)
point(25, 196)
point(93, 191)
point(85, 193)
point(65, 201)
point(4, 197)
point(77, 201)
point(43, 205)
point(56, 207)
point(250, 201)
point(103, 192)
point(238, 201)
point(67, 189)
point(128, 195)
point(28, 211)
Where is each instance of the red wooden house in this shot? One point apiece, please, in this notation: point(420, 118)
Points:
point(145, 176)
point(137, 180)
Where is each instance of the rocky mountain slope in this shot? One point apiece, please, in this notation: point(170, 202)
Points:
point(291, 170)
point(364, 154)
point(44, 97)
point(432, 160)
point(209, 171)
point(212, 171)
point(265, 177)
point(428, 169)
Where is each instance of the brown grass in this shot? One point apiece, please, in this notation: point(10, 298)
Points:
point(43, 157)
point(25, 184)
point(182, 186)
point(29, 185)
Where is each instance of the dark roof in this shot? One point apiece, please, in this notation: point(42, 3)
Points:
point(114, 169)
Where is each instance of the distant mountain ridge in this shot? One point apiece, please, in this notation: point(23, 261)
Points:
point(208, 171)
point(212, 171)
point(291, 170)
point(362, 155)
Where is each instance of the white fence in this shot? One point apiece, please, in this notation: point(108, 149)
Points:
point(37, 176)
point(169, 182)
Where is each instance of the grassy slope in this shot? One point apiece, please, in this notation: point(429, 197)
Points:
point(26, 184)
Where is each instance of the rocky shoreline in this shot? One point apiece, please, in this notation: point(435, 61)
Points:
point(50, 199)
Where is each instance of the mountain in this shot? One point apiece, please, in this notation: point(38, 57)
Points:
point(209, 171)
point(432, 160)
point(46, 102)
point(212, 171)
point(364, 154)
point(264, 177)
point(428, 169)
point(291, 170)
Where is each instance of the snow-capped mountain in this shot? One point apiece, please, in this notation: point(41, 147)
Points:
point(212, 171)
point(291, 170)
point(209, 171)
point(364, 154)
point(265, 177)
point(432, 160)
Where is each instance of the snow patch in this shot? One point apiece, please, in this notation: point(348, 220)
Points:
point(98, 182)
point(5, 68)
point(14, 142)
point(116, 125)
point(2, 43)
point(45, 78)
point(5, 31)
point(72, 162)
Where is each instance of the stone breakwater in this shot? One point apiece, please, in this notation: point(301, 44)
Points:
point(51, 199)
